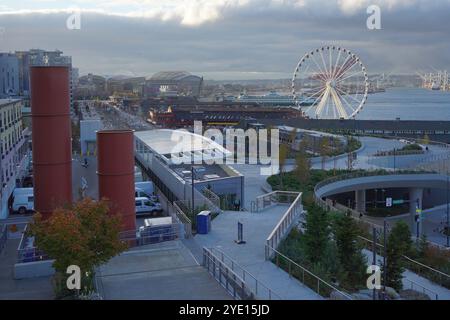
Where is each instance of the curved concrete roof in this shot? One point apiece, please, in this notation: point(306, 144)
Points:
point(426, 180)
point(164, 141)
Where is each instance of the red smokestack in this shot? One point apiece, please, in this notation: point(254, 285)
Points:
point(52, 145)
point(115, 151)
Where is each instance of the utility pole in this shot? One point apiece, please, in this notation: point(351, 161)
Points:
point(394, 160)
point(447, 230)
point(384, 258)
point(418, 219)
point(374, 256)
point(192, 183)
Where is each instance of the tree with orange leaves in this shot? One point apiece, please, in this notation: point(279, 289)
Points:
point(83, 235)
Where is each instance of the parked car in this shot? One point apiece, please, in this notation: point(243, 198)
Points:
point(145, 206)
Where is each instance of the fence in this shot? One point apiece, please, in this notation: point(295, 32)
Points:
point(151, 235)
point(259, 290)
point(27, 252)
point(230, 280)
point(306, 277)
point(285, 224)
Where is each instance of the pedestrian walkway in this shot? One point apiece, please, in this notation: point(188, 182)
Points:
point(251, 255)
point(25, 289)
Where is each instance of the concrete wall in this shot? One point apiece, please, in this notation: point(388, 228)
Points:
point(33, 269)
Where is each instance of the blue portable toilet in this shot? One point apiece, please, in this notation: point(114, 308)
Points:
point(204, 222)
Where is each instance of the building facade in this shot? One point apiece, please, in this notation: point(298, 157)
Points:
point(15, 155)
point(9, 75)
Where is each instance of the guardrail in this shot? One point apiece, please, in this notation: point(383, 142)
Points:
point(226, 277)
point(439, 277)
point(259, 289)
point(151, 235)
point(273, 198)
point(211, 196)
point(285, 224)
point(432, 294)
point(305, 276)
point(181, 217)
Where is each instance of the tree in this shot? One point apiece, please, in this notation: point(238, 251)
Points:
point(324, 150)
point(84, 235)
point(317, 234)
point(352, 262)
point(426, 139)
point(302, 167)
point(283, 154)
point(398, 244)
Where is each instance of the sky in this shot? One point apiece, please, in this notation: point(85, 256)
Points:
point(228, 39)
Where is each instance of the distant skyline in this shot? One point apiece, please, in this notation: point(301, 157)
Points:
point(229, 39)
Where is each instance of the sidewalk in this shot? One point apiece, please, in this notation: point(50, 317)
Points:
point(251, 255)
point(25, 289)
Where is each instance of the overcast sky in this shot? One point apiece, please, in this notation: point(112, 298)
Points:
point(229, 39)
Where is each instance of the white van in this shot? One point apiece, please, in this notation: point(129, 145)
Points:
point(145, 206)
point(139, 193)
point(23, 200)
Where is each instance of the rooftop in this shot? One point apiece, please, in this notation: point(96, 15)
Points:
point(177, 143)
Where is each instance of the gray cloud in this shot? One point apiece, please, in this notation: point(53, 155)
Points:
point(245, 42)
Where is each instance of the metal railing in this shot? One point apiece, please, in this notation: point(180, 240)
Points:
point(226, 277)
point(320, 286)
point(259, 289)
point(419, 288)
point(284, 225)
point(27, 252)
point(151, 235)
point(419, 268)
point(181, 217)
point(211, 196)
point(273, 198)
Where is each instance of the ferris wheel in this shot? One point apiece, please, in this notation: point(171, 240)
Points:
point(330, 83)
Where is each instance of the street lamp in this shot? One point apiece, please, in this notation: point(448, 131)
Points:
point(192, 190)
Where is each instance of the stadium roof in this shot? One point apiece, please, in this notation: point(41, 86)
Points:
point(171, 75)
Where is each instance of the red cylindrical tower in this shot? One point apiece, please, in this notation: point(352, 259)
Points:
point(51, 138)
point(115, 152)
